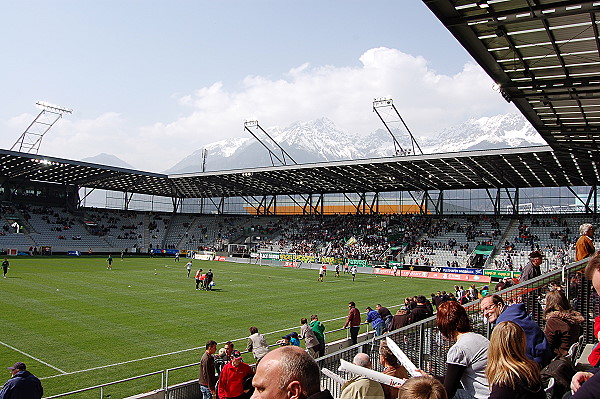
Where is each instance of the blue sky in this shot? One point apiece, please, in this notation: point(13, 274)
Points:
point(152, 81)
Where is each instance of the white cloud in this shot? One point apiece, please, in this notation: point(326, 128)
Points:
point(428, 102)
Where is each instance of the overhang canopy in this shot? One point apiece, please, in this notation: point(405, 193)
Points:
point(504, 168)
point(545, 57)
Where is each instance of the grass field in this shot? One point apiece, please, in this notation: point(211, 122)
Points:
point(62, 316)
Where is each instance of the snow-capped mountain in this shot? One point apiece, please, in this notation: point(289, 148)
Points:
point(501, 131)
point(320, 141)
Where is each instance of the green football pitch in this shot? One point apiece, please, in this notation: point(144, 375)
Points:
point(76, 324)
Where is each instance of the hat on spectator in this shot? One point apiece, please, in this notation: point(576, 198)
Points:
point(536, 254)
point(18, 366)
point(236, 354)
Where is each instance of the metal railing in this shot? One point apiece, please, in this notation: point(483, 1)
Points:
point(101, 387)
point(426, 347)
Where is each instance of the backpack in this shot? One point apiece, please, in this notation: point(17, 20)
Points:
point(562, 370)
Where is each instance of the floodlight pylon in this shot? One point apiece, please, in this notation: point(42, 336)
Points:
point(391, 118)
point(253, 124)
point(31, 138)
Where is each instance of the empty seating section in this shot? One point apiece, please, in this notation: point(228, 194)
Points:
point(193, 232)
point(119, 229)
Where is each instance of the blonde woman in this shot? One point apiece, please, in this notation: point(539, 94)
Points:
point(511, 374)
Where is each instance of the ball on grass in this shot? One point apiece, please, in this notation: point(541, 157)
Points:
point(155, 274)
point(128, 286)
point(57, 289)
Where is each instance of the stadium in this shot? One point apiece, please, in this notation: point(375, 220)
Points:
point(439, 219)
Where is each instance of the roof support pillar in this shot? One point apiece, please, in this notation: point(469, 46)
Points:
point(127, 200)
point(252, 204)
point(494, 200)
point(514, 200)
point(375, 203)
point(591, 196)
point(81, 200)
point(585, 204)
point(271, 208)
point(220, 206)
point(356, 206)
point(177, 204)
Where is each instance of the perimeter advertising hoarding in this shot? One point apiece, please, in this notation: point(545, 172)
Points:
point(357, 263)
point(457, 270)
point(476, 278)
point(501, 273)
point(285, 257)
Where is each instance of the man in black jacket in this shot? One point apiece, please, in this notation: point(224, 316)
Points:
point(23, 384)
point(421, 311)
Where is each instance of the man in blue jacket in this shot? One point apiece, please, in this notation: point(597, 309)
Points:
point(23, 384)
point(376, 321)
point(495, 311)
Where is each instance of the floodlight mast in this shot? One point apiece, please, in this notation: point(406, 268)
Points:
point(381, 103)
point(254, 124)
point(31, 138)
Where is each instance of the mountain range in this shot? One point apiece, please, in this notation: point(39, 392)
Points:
point(320, 140)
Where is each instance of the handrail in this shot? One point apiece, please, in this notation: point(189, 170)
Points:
point(108, 384)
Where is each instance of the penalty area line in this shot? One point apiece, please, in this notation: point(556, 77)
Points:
point(32, 357)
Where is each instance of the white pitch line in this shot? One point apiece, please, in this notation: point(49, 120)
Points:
point(122, 363)
point(32, 357)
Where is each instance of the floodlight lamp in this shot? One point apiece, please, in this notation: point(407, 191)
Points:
point(54, 108)
point(483, 4)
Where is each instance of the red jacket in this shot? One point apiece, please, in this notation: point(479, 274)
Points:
point(231, 380)
point(353, 319)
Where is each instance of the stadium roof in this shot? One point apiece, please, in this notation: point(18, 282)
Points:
point(504, 168)
point(545, 57)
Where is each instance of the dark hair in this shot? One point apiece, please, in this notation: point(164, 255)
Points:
point(298, 365)
point(421, 299)
point(451, 319)
point(352, 304)
point(556, 301)
point(253, 330)
point(303, 320)
point(497, 300)
point(368, 308)
point(210, 343)
point(229, 343)
point(387, 354)
point(592, 265)
point(313, 317)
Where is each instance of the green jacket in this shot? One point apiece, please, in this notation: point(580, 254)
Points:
point(318, 328)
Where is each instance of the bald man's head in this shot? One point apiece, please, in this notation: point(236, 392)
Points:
point(287, 372)
point(362, 359)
